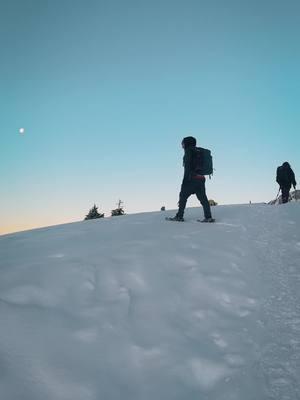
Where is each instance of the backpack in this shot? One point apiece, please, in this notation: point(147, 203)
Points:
point(202, 161)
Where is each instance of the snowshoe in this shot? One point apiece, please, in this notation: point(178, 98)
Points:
point(207, 220)
point(175, 218)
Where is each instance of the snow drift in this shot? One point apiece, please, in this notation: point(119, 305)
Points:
point(135, 307)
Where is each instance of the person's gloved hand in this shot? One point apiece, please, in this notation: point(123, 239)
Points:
point(294, 187)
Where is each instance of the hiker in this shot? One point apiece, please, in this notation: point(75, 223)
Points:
point(193, 180)
point(285, 178)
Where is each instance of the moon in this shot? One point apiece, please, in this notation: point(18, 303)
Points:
point(21, 131)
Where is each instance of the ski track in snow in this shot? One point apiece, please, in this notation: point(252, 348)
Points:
point(138, 308)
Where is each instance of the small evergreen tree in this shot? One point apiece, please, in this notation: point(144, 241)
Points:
point(93, 213)
point(119, 210)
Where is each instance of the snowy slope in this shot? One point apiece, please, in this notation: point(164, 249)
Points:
point(138, 308)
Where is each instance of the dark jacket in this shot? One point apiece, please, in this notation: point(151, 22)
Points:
point(189, 145)
point(188, 164)
point(189, 168)
point(285, 176)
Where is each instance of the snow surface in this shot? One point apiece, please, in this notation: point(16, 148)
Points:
point(135, 307)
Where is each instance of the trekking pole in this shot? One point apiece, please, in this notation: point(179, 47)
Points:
point(277, 194)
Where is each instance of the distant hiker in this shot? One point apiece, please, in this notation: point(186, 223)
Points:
point(285, 178)
point(197, 162)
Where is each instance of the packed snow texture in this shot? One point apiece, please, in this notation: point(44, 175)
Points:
point(138, 308)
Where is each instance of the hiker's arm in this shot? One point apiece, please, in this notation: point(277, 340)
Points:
point(277, 177)
point(187, 165)
point(294, 183)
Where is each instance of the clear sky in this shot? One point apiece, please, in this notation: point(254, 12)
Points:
point(106, 90)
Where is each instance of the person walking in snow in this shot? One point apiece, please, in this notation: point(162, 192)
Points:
point(193, 182)
point(285, 178)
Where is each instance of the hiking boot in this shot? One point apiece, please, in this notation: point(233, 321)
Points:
point(175, 218)
point(207, 220)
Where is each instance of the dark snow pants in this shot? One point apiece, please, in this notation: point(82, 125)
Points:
point(285, 193)
point(196, 187)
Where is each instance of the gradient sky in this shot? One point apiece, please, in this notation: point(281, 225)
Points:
point(107, 89)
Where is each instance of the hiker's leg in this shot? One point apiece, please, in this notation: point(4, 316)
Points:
point(184, 194)
point(285, 194)
point(201, 196)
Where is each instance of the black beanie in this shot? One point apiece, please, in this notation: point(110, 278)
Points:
point(189, 141)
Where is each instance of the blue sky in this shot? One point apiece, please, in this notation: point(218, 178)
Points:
point(107, 89)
